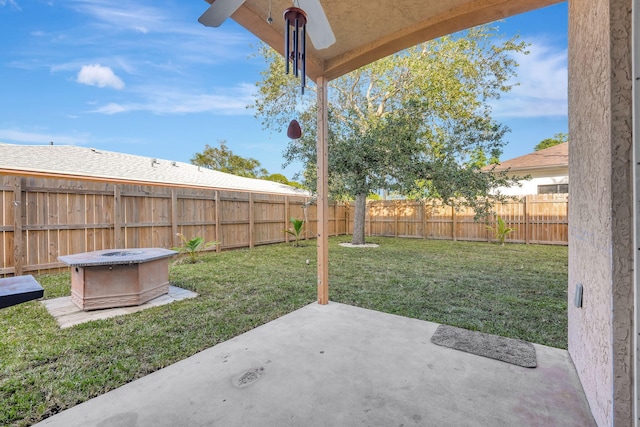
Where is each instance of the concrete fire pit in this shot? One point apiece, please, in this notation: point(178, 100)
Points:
point(118, 277)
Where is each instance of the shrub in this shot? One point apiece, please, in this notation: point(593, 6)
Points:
point(500, 231)
point(192, 247)
point(298, 228)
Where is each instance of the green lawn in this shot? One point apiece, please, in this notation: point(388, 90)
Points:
point(513, 290)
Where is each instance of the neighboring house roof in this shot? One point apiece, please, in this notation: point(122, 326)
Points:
point(548, 158)
point(93, 163)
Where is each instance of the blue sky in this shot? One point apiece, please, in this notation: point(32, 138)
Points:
point(144, 77)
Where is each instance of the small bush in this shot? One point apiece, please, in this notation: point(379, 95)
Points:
point(192, 247)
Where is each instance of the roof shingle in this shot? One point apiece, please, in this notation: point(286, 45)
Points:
point(93, 163)
point(552, 157)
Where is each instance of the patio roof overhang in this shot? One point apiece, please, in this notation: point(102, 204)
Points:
point(365, 31)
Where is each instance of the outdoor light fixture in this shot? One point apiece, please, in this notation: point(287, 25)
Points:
point(295, 34)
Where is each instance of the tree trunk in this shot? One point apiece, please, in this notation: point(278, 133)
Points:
point(359, 217)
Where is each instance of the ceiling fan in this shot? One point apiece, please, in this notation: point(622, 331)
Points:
point(318, 26)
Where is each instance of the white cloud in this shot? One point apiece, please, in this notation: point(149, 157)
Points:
point(130, 15)
point(137, 34)
point(113, 108)
point(163, 100)
point(542, 91)
point(72, 65)
point(10, 3)
point(97, 75)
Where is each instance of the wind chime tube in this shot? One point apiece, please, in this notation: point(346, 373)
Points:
point(287, 25)
point(303, 54)
point(296, 38)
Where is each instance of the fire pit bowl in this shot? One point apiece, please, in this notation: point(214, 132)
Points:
point(118, 277)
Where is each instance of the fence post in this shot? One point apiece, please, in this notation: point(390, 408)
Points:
point(218, 233)
point(18, 248)
point(424, 219)
point(453, 224)
point(566, 213)
point(367, 214)
point(251, 221)
point(174, 217)
point(346, 217)
point(396, 212)
point(486, 230)
point(526, 220)
point(305, 211)
point(117, 217)
point(286, 218)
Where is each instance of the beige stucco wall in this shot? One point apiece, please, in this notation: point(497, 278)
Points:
point(600, 200)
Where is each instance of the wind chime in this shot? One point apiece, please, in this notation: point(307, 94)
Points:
point(295, 44)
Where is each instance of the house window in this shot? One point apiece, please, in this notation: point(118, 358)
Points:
point(553, 189)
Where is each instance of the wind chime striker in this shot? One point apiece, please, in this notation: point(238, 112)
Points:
point(294, 131)
point(295, 36)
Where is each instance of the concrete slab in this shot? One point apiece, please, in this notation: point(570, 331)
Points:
point(337, 365)
point(68, 314)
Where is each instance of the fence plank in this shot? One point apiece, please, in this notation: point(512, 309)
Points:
point(174, 218)
point(251, 222)
point(216, 213)
point(117, 217)
point(286, 218)
point(18, 250)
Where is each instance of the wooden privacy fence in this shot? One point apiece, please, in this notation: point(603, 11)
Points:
point(43, 218)
point(540, 219)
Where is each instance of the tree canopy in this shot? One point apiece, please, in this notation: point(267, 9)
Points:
point(557, 139)
point(278, 177)
point(417, 122)
point(222, 159)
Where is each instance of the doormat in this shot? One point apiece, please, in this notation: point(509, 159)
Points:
point(516, 352)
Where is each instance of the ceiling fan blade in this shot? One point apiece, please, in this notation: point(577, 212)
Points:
point(318, 26)
point(219, 11)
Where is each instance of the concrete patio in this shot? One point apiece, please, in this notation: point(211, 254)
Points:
point(338, 365)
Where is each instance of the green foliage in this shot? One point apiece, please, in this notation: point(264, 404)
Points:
point(557, 139)
point(222, 159)
point(500, 231)
point(298, 229)
point(278, 177)
point(192, 247)
point(417, 122)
